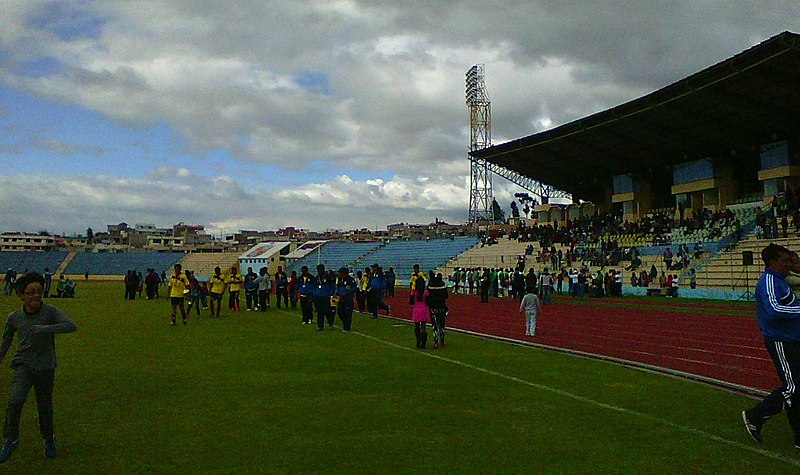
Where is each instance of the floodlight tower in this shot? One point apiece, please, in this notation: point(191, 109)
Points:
point(480, 136)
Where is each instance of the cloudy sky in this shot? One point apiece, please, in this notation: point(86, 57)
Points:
point(317, 114)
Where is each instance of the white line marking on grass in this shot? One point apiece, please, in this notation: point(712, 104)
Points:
point(560, 392)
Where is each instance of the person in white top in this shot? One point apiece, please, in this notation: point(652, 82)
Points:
point(530, 307)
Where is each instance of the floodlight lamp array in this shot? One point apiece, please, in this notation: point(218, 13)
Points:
point(474, 81)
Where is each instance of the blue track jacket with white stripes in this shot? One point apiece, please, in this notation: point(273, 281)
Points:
point(777, 308)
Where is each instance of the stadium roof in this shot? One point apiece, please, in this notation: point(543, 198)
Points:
point(725, 111)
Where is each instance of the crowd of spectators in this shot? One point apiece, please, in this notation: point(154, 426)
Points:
point(604, 229)
point(775, 222)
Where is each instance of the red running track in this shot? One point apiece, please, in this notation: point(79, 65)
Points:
point(721, 343)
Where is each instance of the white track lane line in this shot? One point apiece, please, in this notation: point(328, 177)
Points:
point(560, 392)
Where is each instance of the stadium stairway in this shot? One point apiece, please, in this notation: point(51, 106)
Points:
point(61, 267)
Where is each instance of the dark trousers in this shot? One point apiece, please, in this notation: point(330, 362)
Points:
point(251, 298)
point(263, 299)
point(437, 322)
point(42, 383)
point(130, 292)
point(233, 299)
point(361, 297)
point(345, 310)
point(786, 356)
point(282, 292)
point(375, 301)
point(324, 311)
point(307, 308)
point(293, 298)
point(194, 300)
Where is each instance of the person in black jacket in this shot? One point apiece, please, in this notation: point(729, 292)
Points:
point(306, 286)
point(437, 303)
point(326, 286)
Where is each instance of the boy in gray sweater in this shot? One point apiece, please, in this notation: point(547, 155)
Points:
point(530, 307)
point(34, 363)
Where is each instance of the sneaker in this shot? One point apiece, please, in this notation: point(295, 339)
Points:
point(8, 448)
point(318, 329)
point(753, 429)
point(173, 323)
point(435, 346)
point(49, 447)
point(184, 321)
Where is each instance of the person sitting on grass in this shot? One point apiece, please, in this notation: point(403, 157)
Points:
point(60, 286)
point(69, 288)
point(34, 363)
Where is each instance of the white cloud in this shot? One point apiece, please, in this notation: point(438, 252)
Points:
point(361, 85)
point(170, 195)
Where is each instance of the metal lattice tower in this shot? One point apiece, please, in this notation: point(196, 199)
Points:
point(480, 136)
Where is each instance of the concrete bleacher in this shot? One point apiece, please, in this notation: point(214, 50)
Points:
point(429, 254)
point(334, 254)
point(119, 263)
point(203, 263)
point(504, 254)
point(727, 271)
point(36, 261)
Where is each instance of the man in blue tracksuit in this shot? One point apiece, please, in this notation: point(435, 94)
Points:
point(779, 320)
point(377, 284)
point(345, 290)
point(306, 287)
point(326, 286)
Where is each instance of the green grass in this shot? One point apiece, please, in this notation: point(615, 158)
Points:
point(260, 393)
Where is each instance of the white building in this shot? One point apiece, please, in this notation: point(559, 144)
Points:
point(26, 242)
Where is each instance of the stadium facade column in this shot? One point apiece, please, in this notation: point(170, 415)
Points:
point(779, 172)
point(635, 194)
point(705, 183)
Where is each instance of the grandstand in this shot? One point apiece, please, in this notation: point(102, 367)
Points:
point(332, 254)
point(504, 254)
point(720, 143)
point(402, 255)
point(119, 263)
point(32, 260)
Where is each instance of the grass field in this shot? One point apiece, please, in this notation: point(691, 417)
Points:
point(261, 393)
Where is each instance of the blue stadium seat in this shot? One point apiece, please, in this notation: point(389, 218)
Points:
point(119, 263)
point(31, 260)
